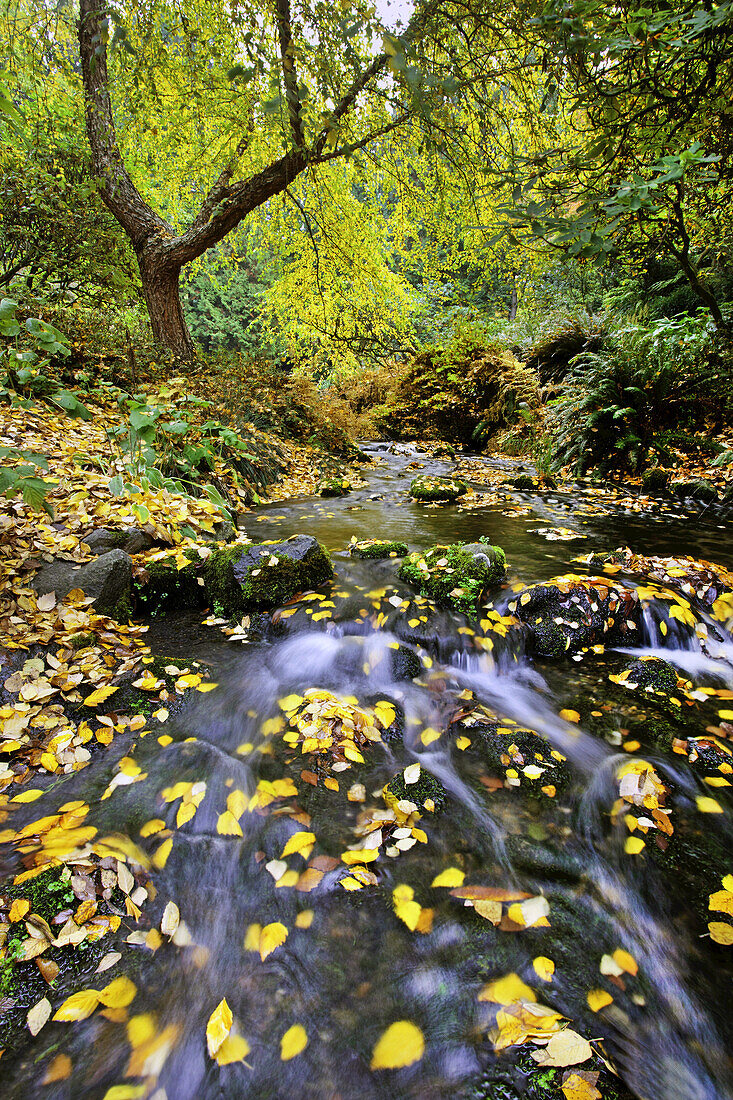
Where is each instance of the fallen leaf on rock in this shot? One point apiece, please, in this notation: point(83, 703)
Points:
point(272, 936)
point(218, 1027)
point(566, 1048)
point(38, 1015)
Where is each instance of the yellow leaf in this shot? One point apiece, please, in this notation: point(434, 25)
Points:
point(171, 919)
point(125, 1092)
point(140, 1029)
point(160, 856)
point(361, 855)
point(271, 937)
point(570, 715)
point(634, 845)
point(507, 990)
point(99, 696)
point(218, 1027)
point(544, 968)
point(18, 909)
point(385, 712)
point(236, 803)
point(78, 1006)
point(565, 1048)
point(626, 961)
point(402, 1044)
point(297, 842)
point(598, 999)
point(304, 919)
point(38, 1015)
point(234, 1049)
point(293, 1042)
point(575, 1087)
point(708, 805)
point(58, 1070)
point(450, 877)
point(227, 825)
point(721, 933)
point(118, 994)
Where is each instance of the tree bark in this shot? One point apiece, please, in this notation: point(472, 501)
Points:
point(160, 276)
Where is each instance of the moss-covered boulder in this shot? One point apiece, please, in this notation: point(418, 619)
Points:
point(459, 574)
point(574, 613)
point(695, 489)
point(525, 483)
point(334, 487)
point(418, 786)
point(378, 548)
point(442, 489)
point(653, 674)
point(655, 480)
point(264, 574)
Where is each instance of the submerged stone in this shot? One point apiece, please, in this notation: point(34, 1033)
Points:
point(264, 574)
point(437, 488)
point(374, 549)
point(459, 574)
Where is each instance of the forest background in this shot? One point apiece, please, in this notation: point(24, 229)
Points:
point(509, 226)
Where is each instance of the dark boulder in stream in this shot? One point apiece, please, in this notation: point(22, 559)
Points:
point(653, 674)
point(573, 613)
point(264, 574)
point(438, 489)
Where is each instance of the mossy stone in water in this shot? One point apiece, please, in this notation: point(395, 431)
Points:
point(695, 489)
point(655, 480)
point(437, 488)
point(264, 574)
point(524, 482)
point(378, 548)
point(458, 574)
point(426, 789)
point(653, 673)
point(334, 487)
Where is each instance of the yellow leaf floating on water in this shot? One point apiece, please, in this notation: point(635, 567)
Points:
point(507, 990)
point(293, 1042)
point(544, 968)
point(140, 1029)
point(218, 1027)
point(125, 1092)
point(171, 919)
point(99, 696)
point(237, 803)
point(385, 712)
point(598, 999)
point(408, 910)
point(272, 936)
point(235, 1048)
point(634, 845)
point(77, 1007)
point(626, 961)
point(708, 805)
point(297, 842)
point(570, 715)
point(450, 877)
point(721, 933)
point(402, 1044)
point(58, 1070)
point(118, 994)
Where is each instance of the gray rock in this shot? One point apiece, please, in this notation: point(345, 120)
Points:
point(108, 579)
point(130, 539)
point(695, 489)
point(265, 575)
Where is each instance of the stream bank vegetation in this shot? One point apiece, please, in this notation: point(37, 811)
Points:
point(237, 241)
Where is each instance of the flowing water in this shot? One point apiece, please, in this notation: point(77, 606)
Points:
point(349, 966)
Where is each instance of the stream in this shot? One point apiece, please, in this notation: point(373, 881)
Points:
point(350, 966)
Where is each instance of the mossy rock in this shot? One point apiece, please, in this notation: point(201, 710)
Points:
point(428, 793)
point(654, 674)
point(164, 587)
point(334, 487)
point(564, 620)
point(655, 480)
point(378, 548)
point(459, 574)
point(437, 488)
point(264, 575)
point(444, 450)
point(695, 489)
point(522, 757)
point(525, 483)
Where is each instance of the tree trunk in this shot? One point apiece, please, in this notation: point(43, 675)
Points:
point(159, 276)
point(514, 300)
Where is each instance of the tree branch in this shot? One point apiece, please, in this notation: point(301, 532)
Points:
point(292, 95)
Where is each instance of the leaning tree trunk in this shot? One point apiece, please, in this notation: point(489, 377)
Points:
point(160, 280)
